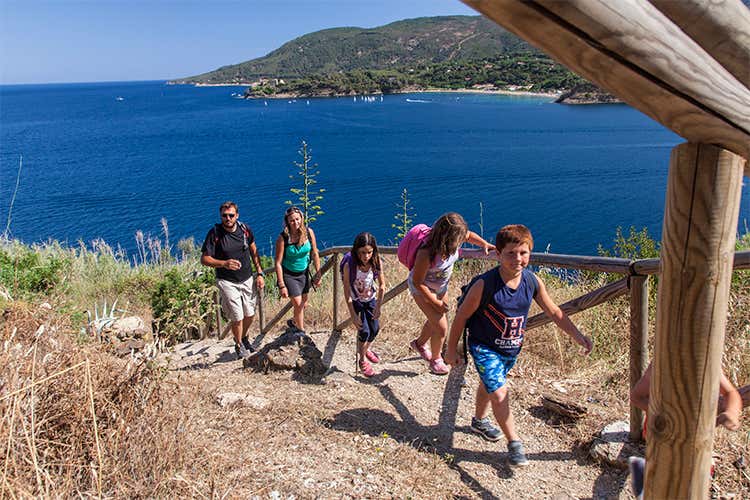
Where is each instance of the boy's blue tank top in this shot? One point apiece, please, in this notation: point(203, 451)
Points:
point(501, 324)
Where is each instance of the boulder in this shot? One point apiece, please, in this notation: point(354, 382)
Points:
point(293, 350)
point(127, 327)
point(127, 346)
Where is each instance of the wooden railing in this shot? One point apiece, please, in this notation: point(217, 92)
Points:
point(634, 282)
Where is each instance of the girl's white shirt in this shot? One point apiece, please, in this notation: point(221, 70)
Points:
point(364, 287)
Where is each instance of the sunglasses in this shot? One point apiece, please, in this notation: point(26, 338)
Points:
point(229, 216)
point(293, 210)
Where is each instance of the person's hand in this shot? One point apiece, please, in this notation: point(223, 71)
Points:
point(357, 321)
point(452, 358)
point(232, 264)
point(729, 420)
point(261, 282)
point(584, 342)
point(317, 279)
point(488, 249)
point(284, 292)
point(444, 307)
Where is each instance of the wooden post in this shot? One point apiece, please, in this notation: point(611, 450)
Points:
point(698, 236)
point(259, 302)
point(217, 302)
point(638, 345)
point(336, 288)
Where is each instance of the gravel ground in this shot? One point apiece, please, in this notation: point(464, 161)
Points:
point(403, 433)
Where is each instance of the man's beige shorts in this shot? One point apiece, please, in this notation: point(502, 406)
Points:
point(237, 299)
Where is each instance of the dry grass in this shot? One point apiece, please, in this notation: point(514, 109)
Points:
point(77, 421)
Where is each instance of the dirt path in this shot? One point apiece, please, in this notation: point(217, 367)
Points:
point(403, 433)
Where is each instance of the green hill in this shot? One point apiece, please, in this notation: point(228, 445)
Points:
point(397, 45)
point(449, 51)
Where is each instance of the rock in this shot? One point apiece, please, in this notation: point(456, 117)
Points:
point(241, 400)
point(613, 445)
point(127, 327)
point(563, 406)
point(587, 93)
point(293, 350)
point(337, 377)
point(126, 346)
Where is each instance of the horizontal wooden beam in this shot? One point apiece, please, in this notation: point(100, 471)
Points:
point(580, 262)
point(631, 49)
point(388, 250)
point(602, 264)
point(651, 266)
point(721, 28)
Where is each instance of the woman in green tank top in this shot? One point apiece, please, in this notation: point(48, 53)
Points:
point(295, 247)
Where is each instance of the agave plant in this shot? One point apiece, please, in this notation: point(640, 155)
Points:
point(102, 319)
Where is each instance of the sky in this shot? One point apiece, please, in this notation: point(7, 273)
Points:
point(44, 41)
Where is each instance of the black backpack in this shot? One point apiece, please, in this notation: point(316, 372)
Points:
point(491, 280)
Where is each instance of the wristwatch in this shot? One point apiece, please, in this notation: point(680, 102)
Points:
point(261, 273)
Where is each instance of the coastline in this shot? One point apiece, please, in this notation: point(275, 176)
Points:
point(406, 90)
point(487, 91)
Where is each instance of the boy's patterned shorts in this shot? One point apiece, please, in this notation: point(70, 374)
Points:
point(492, 366)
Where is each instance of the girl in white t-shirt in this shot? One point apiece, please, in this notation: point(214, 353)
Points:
point(364, 287)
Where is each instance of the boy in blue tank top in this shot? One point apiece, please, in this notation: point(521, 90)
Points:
point(494, 311)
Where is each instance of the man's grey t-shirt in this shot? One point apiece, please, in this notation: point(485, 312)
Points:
point(223, 245)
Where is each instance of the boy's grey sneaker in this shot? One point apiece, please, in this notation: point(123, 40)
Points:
point(242, 353)
point(247, 344)
point(484, 428)
point(516, 455)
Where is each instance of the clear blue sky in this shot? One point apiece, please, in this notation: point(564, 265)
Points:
point(111, 40)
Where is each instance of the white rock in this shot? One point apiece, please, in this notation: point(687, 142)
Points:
point(242, 400)
point(613, 445)
point(559, 387)
point(129, 326)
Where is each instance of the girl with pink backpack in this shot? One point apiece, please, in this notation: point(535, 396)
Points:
point(428, 282)
point(364, 288)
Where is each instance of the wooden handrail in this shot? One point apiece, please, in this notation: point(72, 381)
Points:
point(587, 301)
point(651, 266)
point(580, 262)
point(635, 278)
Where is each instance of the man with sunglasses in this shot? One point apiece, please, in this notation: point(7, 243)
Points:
point(229, 247)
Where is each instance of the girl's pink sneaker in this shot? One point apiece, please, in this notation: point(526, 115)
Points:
point(438, 367)
point(372, 356)
point(366, 368)
point(422, 350)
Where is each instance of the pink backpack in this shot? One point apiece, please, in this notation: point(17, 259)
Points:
point(413, 241)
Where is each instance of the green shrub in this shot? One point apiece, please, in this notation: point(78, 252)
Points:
point(25, 270)
point(636, 245)
point(181, 303)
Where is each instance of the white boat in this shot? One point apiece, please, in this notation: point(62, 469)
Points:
point(118, 98)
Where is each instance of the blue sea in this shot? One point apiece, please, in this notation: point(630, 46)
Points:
point(104, 160)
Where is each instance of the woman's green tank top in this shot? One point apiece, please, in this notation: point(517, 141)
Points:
point(296, 259)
